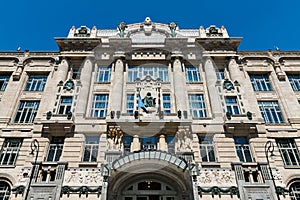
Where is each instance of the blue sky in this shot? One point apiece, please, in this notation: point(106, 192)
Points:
point(263, 24)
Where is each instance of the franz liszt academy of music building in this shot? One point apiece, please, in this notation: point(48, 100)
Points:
point(149, 111)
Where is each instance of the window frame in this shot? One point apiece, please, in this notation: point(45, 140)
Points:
point(141, 71)
point(232, 106)
point(36, 83)
point(294, 193)
point(103, 74)
point(67, 107)
point(11, 150)
point(294, 80)
point(267, 112)
point(130, 99)
point(206, 146)
point(102, 111)
point(243, 146)
point(292, 149)
point(56, 144)
point(261, 82)
point(21, 115)
point(220, 74)
point(200, 110)
point(6, 191)
point(192, 74)
point(166, 103)
point(5, 79)
point(93, 146)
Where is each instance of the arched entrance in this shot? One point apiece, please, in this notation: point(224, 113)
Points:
point(150, 178)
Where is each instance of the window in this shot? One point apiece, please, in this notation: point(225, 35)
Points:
point(242, 149)
point(288, 151)
point(295, 191)
point(149, 143)
point(127, 139)
point(171, 144)
point(91, 149)
point(260, 82)
point(197, 105)
point(220, 74)
point(4, 190)
point(103, 74)
point(130, 103)
point(166, 103)
point(76, 73)
point(141, 72)
point(27, 111)
point(36, 83)
point(3, 82)
point(99, 107)
point(65, 105)
point(232, 105)
point(55, 149)
point(270, 111)
point(10, 151)
point(192, 74)
point(295, 81)
point(207, 149)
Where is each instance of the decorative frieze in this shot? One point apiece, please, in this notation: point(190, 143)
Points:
point(213, 177)
point(82, 176)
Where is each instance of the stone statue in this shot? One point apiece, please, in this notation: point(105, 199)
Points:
point(173, 27)
point(149, 101)
point(115, 139)
point(121, 27)
point(183, 140)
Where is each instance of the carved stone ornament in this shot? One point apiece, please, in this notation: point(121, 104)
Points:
point(121, 27)
point(115, 138)
point(183, 140)
point(23, 176)
point(215, 177)
point(78, 177)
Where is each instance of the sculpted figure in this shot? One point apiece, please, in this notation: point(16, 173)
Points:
point(149, 101)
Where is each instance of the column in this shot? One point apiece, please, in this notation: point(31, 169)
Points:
point(135, 145)
point(211, 80)
point(234, 70)
point(179, 86)
point(162, 143)
point(117, 86)
point(85, 78)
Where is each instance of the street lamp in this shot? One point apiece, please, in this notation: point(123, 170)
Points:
point(269, 151)
point(35, 147)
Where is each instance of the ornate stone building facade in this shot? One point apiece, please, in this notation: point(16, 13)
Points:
point(149, 111)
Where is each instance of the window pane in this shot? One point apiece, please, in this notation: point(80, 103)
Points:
point(197, 105)
point(100, 105)
point(36, 83)
point(260, 82)
point(26, 112)
point(270, 111)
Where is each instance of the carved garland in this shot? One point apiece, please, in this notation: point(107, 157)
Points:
point(80, 190)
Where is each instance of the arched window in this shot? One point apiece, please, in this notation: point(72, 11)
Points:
point(4, 190)
point(295, 191)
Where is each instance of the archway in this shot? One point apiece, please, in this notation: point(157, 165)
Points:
point(150, 179)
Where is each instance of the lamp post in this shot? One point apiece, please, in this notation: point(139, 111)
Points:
point(35, 147)
point(269, 151)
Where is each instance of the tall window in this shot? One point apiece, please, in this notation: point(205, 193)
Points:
point(5, 190)
point(260, 82)
point(10, 151)
point(3, 82)
point(192, 74)
point(288, 151)
point(197, 105)
point(295, 191)
point(65, 105)
point(36, 83)
point(220, 74)
point(127, 139)
point(232, 105)
point(91, 149)
point(295, 81)
point(242, 149)
point(55, 149)
point(27, 111)
point(141, 72)
point(207, 149)
point(166, 103)
point(99, 107)
point(171, 144)
point(130, 103)
point(103, 74)
point(270, 111)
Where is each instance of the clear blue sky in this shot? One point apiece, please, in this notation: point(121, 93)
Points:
point(263, 24)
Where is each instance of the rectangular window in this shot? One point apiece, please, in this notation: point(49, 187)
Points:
point(166, 103)
point(149, 143)
point(207, 149)
point(197, 105)
point(10, 150)
point(295, 81)
point(103, 74)
point(192, 74)
point(232, 105)
point(154, 72)
point(288, 151)
point(220, 74)
point(171, 144)
point(127, 143)
point(270, 111)
point(55, 149)
point(91, 149)
point(130, 103)
point(100, 104)
point(260, 82)
point(36, 83)
point(3, 82)
point(27, 111)
point(242, 149)
point(65, 105)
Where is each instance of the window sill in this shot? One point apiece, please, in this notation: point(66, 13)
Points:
point(7, 166)
point(88, 164)
point(292, 167)
point(210, 164)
